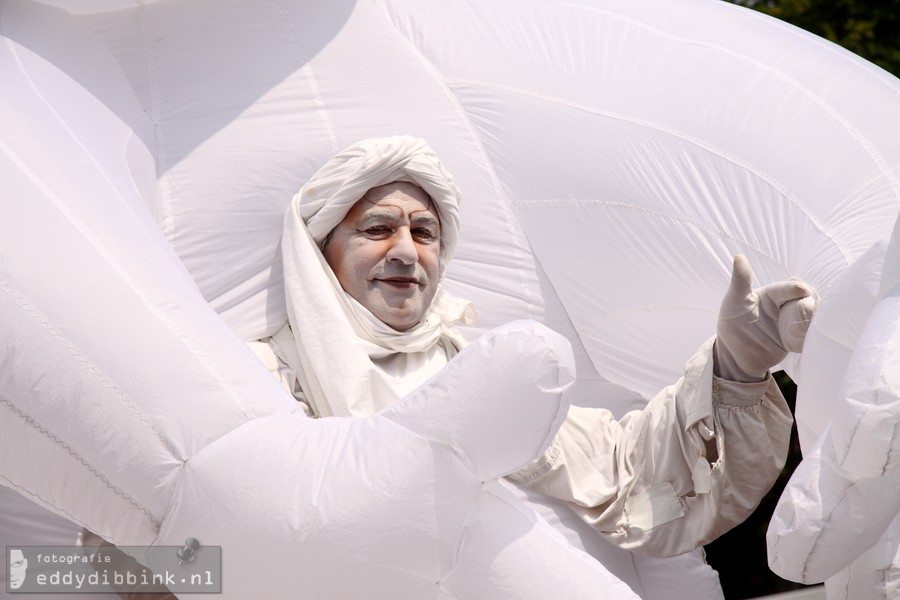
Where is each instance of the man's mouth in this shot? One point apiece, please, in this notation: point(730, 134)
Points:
point(400, 282)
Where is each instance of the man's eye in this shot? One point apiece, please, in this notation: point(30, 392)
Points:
point(18, 563)
point(378, 230)
point(424, 234)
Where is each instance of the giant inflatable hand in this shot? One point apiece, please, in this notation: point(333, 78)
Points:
point(131, 409)
point(212, 450)
point(613, 157)
point(838, 520)
point(127, 405)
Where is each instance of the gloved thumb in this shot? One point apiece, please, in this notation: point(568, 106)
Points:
point(738, 299)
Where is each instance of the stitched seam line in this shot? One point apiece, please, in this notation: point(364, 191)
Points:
point(86, 365)
point(31, 422)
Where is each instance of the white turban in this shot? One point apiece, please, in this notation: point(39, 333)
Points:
point(327, 197)
point(350, 362)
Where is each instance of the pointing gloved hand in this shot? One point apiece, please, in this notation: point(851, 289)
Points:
point(757, 328)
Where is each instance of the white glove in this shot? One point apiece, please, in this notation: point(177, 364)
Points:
point(757, 328)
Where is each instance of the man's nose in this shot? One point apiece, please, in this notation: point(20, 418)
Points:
point(403, 248)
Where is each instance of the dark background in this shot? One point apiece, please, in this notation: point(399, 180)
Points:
point(740, 555)
point(870, 29)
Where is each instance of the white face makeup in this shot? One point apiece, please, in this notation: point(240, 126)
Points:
point(386, 253)
point(18, 564)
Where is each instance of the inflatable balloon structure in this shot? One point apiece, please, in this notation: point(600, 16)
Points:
point(839, 517)
point(613, 157)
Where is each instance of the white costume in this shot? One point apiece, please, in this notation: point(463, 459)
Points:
point(663, 480)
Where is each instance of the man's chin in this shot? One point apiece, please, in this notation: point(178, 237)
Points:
point(400, 319)
point(401, 327)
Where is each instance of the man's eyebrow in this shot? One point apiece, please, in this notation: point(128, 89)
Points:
point(385, 213)
point(423, 219)
point(380, 214)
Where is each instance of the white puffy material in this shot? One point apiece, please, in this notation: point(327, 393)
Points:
point(174, 415)
point(418, 465)
point(613, 157)
point(837, 520)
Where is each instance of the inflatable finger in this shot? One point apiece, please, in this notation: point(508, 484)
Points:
point(836, 520)
point(496, 386)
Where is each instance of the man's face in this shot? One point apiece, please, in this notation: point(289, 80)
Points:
point(386, 253)
point(17, 566)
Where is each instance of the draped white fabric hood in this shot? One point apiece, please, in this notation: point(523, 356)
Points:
point(351, 363)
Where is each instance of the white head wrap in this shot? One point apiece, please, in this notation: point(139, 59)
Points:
point(342, 181)
point(351, 363)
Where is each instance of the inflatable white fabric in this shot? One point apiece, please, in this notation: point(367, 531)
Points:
point(160, 426)
point(839, 518)
point(613, 156)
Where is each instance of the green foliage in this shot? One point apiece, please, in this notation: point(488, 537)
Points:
point(869, 28)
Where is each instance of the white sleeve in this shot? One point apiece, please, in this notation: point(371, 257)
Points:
point(692, 464)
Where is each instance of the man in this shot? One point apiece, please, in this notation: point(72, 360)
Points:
point(365, 244)
point(18, 565)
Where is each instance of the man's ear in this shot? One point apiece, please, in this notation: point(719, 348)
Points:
point(327, 239)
